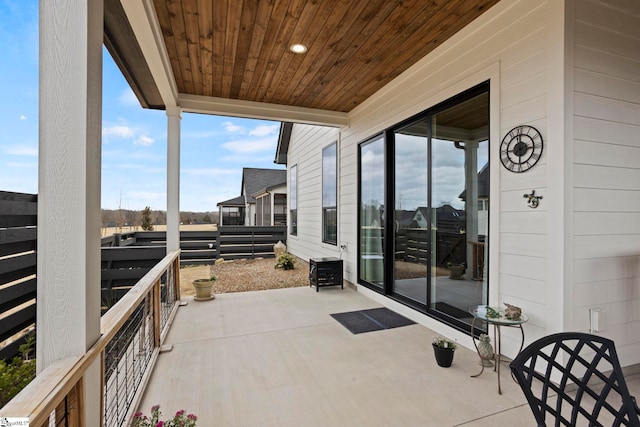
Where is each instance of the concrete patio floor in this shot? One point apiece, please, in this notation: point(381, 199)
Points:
point(277, 358)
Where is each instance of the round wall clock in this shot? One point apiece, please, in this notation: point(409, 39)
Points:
point(521, 148)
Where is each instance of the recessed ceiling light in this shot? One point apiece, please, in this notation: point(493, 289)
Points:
point(298, 48)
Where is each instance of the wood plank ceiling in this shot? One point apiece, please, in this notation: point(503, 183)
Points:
point(239, 49)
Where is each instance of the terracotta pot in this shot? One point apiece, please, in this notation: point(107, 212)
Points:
point(456, 270)
point(444, 356)
point(203, 289)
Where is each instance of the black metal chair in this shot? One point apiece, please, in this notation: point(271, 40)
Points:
point(575, 379)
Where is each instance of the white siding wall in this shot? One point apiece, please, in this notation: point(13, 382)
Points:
point(606, 171)
point(306, 152)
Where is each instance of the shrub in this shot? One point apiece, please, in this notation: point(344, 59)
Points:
point(286, 261)
point(16, 374)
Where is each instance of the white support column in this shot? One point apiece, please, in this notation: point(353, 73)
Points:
point(174, 115)
point(68, 313)
point(471, 200)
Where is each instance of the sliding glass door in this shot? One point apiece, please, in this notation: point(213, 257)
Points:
point(411, 225)
point(460, 184)
point(372, 201)
point(434, 172)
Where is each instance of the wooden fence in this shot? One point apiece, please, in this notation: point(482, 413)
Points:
point(411, 245)
point(237, 242)
point(204, 247)
point(123, 267)
point(18, 235)
point(126, 258)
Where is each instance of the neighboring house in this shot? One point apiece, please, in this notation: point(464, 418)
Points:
point(483, 200)
point(271, 205)
point(233, 211)
point(262, 200)
point(446, 218)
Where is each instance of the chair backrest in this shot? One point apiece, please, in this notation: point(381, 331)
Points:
point(574, 379)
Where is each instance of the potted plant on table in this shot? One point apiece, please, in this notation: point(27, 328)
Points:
point(203, 287)
point(443, 349)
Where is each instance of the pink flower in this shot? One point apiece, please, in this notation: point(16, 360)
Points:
point(178, 420)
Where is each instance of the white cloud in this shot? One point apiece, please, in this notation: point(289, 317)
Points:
point(264, 130)
point(230, 127)
point(21, 150)
point(117, 131)
point(23, 117)
point(144, 140)
point(251, 145)
point(128, 98)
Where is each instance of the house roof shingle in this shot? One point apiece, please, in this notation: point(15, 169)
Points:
point(236, 201)
point(256, 179)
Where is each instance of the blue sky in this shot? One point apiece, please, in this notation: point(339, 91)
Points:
point(214, 149)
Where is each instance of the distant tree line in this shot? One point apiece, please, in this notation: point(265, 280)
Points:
point(130, 220)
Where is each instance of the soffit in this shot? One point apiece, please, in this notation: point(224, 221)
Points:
point(239, 49)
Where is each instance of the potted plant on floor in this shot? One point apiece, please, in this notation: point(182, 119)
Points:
point(203, 287)
point(456, 271)
point(443, 349)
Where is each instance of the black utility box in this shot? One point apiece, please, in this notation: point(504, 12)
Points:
point(325, 272)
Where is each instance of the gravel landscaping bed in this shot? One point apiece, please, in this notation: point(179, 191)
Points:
point(245, 275)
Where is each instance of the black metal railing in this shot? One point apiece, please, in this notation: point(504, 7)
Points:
point(131, 335)
point(127, 357)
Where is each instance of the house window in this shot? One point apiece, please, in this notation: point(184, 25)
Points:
point(259, 202)
point(232, 216)
point(279, 209)
point(293, 202)
point(263, 210)
point(330, 194)
point(423, 208)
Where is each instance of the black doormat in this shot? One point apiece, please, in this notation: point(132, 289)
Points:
point(452, 311)
point(375, 319)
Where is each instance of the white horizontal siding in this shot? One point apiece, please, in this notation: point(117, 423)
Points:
point(606, 170)
point(606, 132)
point(305, 151)
point(607, 177)
point(588, 270)
point(607, 223)
point(605, 201)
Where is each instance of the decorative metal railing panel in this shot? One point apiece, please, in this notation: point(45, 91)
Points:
point(131, 336)
point(168, 296)
point(126, 359)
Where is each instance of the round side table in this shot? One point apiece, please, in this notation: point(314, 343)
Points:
point(495, 316)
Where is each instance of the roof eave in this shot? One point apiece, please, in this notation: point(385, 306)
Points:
point(261, 110)
point(283, 143)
